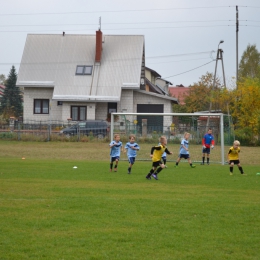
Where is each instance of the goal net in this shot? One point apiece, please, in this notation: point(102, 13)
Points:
point(148, 127)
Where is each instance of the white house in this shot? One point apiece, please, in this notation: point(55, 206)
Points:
point(81, 77)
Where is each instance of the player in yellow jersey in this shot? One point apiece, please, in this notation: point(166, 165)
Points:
point(156, 155)
point(233, 157)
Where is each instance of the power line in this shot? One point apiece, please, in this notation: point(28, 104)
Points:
point(134, 28)
point(117, 11)
point(149, 57)
point(188, 70)
point(82, 24)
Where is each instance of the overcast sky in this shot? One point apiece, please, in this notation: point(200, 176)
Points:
point(180, 36)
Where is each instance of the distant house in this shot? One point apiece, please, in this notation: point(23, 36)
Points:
point(179, 92)
point(154, 82)
point(81, 77)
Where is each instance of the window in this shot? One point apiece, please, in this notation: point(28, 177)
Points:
point(83, 70)
point(41, 106)
point(78, 113)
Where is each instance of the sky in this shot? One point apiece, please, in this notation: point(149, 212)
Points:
point(181, 37)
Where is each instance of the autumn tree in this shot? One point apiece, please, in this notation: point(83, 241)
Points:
point(202, 93)
point(249, 66)
point(11, 102)
point(245, 109)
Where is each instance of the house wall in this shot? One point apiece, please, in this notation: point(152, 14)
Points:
point(30, 94)
point(101, 111)
point(126, 103)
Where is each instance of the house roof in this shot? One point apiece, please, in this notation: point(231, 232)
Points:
point(155, 73)
point(50, 60)
point(179, 93)
point(174, 100)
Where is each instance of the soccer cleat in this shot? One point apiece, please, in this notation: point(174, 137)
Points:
point(129, 171)
point(243, 173)
point(202, 164)
point(231, 173)
point(193, 166)
point(207, 163)
point(115, 169)
point(176, 166)
point(155, 176)
point(165, 166)
point(148, 177)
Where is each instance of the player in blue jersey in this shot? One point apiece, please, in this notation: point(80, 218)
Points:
point(164, 157)
point(116, 147)
point(131, 147)
point(207, 143)
point(184, 150)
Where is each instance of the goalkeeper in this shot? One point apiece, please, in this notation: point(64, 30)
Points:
point(207, 143)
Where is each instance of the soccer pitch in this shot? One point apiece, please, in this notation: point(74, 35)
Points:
point(50, 210)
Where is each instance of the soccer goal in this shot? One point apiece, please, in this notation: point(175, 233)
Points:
point(148, 127)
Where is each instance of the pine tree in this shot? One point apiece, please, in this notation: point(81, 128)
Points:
point(11, 102)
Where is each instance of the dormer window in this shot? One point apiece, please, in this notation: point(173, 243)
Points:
point(84, 70)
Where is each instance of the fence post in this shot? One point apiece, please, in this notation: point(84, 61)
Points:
point(19, 133)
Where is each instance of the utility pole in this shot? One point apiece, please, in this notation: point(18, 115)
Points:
point(219, 57)
point(237, 29)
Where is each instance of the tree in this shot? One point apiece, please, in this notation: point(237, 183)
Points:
point(11, 102)
point(245, 110)
point(249, 66)
point(2, 79)
point(201, 94)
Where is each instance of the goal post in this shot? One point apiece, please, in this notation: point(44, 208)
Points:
point(147, 126)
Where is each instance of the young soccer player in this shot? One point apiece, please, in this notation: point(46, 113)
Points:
point(184, 150)
point(116, 147)
point(131, 147)
point(233, 157)
point(156, 155)
point(207, 143)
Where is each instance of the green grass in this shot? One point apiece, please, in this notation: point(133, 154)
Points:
point(51, 211)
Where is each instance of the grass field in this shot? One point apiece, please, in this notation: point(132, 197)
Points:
point(51, 211)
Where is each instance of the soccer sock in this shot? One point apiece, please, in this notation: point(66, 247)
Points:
point(190, 164)
point(115, 166)
point(231, 169)
point(177, 163)
point(207, 160)
point(240, 169)
point(158, 170)
point(150, 173)
point(164, 161)
point(203, 159)
point(129, 169)
point(111, 166)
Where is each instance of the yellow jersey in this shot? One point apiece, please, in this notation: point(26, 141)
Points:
point(157, 152)
point(233, 153)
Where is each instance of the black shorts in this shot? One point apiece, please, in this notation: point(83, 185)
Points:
point(185, 156)
point(206, 150)
point(156, 164)
point(112, 159)
point(234, 161)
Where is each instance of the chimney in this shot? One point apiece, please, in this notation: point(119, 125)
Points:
point(98, 46)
